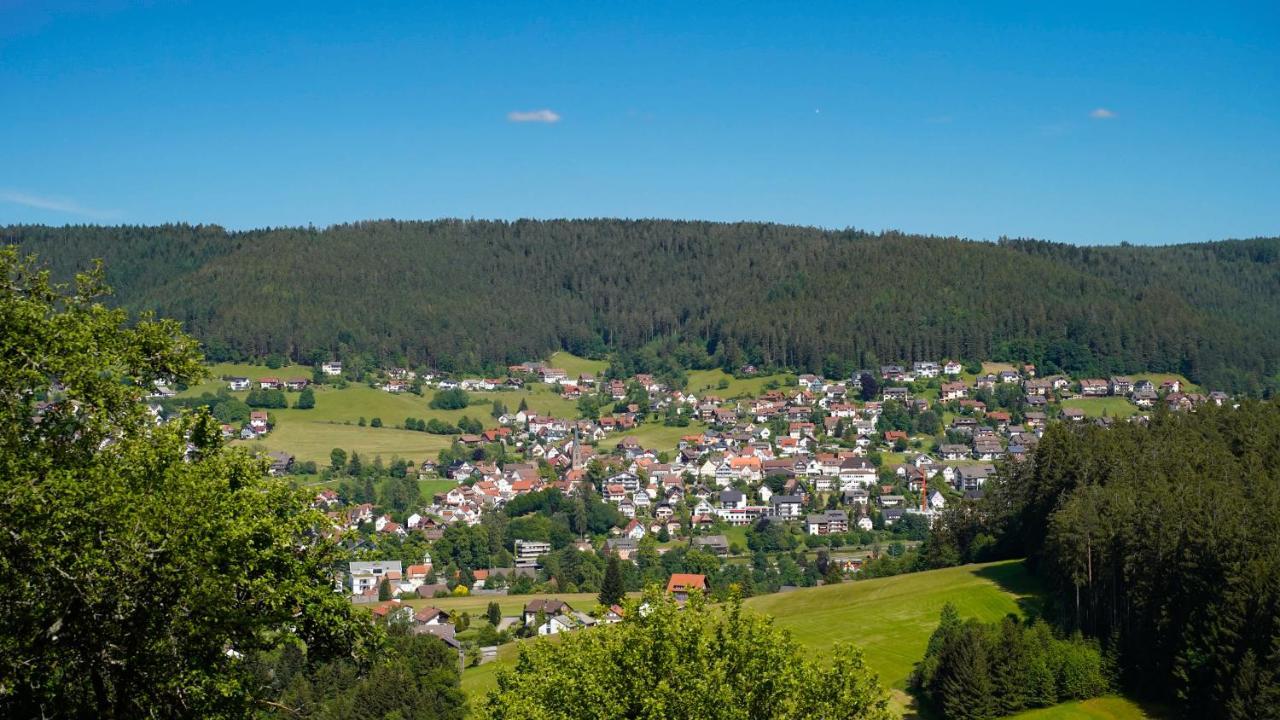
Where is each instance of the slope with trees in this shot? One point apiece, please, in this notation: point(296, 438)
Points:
point(479, 295)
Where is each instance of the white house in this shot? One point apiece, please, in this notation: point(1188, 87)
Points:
point(331, 368)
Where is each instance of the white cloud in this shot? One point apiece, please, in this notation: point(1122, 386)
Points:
point(1101, 114)
point(534, 116)
point(55, 204)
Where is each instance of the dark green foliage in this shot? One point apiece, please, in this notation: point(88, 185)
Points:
point(267, 399)
point(415, 678)
point(493, 613)
point(1163, 541)
point(1206, 310)
point(612, 590)
point(306, 399)
point(454, 399)
point(972, 670)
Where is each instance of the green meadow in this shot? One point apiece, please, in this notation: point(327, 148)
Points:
point(334, 421)
point(1116, 407)
point(575, 366)
point(889, 618)
point(707, 382)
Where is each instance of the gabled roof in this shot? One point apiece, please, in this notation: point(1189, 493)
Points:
point(684, 582)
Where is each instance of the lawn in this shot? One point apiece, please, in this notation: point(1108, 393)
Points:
point(575, 365)
point(655, 435)
point(1116, 407)
point(334, 421)
point(1103, 708)
point(891, 618)
point(1157, 378)
point(510, 604)
point(253, 372)
point(314, 440)
point(707, 382)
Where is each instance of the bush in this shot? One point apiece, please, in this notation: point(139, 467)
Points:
point(454, 399)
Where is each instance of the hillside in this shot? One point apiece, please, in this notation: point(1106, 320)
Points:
point(891, 620)
point(471, 295)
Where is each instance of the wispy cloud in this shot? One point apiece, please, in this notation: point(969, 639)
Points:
point(1102, 114)
point(534, 116)
point(54, 204)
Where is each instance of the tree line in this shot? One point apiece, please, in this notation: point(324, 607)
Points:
point(1161, 540)
point(467, 295)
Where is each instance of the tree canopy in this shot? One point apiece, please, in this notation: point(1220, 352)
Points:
point(1160, 539)
point(481, 295)
point(694, 662)
point(140, 565)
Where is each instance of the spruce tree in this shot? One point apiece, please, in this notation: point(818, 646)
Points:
point(612, 589)
point(964, 678)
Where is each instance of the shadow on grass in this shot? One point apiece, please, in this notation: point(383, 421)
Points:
point(1014, 578)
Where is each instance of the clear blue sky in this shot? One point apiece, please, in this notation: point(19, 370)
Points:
point(1077, 122)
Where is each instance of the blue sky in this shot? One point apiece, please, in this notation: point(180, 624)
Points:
point(1076, 122)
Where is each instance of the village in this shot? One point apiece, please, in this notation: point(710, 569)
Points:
point(844, 470)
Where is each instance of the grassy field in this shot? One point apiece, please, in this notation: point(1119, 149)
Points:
point(708, 382)
point(1116, 407)
point(1157, 378)
point(314, 440)
point(253, 372)
point(431, 487)
point(1104, 708)
point(891, 618)
point(333, 422)
point(510, 604)
point(655, 435)
point(575, 365)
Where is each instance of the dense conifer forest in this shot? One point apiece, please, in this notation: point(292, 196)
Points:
point(1161, 540)
point(477, 295)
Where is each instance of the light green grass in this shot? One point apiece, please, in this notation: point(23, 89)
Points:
point(428, 488)
point(655, 436)
point(1116, 407)
point(737, 534)
point(1157, 378)
point(253, 372)
point(707, 382)
point(575, 365)
point(314, 440)
point(311, 434)
point(510, 604)
point(891, 618)
point(1104, 708)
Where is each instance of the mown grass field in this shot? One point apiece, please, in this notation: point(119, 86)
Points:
point(334, 421)
point(575, 365)
point(707, 382)
point(1110, 707)
point(1157, 378)
point(510, 604)
point(655, 436)
point(889, 618)
point(1116, 407)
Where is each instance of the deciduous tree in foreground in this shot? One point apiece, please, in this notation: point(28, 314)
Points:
point(140, 565)
point(697, 662)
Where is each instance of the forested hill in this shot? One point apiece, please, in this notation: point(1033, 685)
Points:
point(464, 295)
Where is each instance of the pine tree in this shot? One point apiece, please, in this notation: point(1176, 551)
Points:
point(384, 589)
point(612, 589)
point(494, 614)
point(964, 679)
